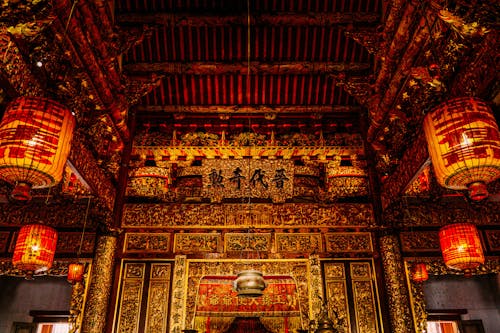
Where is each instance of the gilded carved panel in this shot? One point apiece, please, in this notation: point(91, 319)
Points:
point(242, 178)
point(159, 289)
point(197, 242)
point(419, 241)
point(146, 242)
point(336, 293)
point(131, 297)
point(298, 243)
point(493, 239)
point(364, 297)
point(340, 242)
point(236, 242)
point(179, 292)
point(261, 215)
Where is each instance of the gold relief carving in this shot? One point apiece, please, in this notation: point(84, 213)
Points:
point(417, 301)
point(297, 269)
point(179, 294)
point(336, 293)
point(366, 314)
point(241, 178)
point(77, 302)
point(419, 241)
point(67, 242)
point(307, 243)
point(4, 239)
point(315, 285)
point(134, 271)
point(59, 268)
point(348, 242)
point(159, 288)
point(262, 215)
point(146, 242)
point(101, 281)
point(196, 242)
point(130, 306)
point(334, 271)
point(493, 238)
point(395, 284)
point(247, 242)
point(360, 270)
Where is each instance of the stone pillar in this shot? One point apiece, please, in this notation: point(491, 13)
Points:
point(395, 285)
point(101, 281)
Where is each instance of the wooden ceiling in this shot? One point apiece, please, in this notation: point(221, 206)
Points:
point(293, 67)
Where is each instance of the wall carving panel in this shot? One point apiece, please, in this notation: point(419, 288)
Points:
point(419, 241)
point(178, 294)
point(231, 215)
point(493, 239)
point(159, 289)
point(130, 298)
point(146, 242)
point(364, 298)
point(236, 242)
point(298, 243)
point(341, 242)
point(197, 242)
point(336, 293)
point(4, 241)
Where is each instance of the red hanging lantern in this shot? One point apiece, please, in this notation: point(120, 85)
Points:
point(75, 272)
point(35, 138)
point(461, 246)
point(464, 145)
point(35, 248)
point(419, 272)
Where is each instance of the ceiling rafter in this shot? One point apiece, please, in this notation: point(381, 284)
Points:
point(282, 109)
point(241, 67)
point(278, 18)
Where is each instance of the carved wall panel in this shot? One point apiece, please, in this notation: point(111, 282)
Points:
point(77, 302)
point(342, 242)
point(178, 294)
point(236, 242)
point(159, 289)
point(146, 242)
point(242, 178)
point(298, 243)
point(130, 299)
point(364, 298)
point(67, 242)
point(420, 241)
point(261, 215)
point(143, 302)
point(4, 241)
point(197, 242)
point(336, 293)
point(493, 239)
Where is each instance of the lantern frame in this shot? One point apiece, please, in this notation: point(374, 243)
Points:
point(35, 248)
point(461, 246)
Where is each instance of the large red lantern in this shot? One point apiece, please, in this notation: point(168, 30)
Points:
point(461, 246)
point(35, 138)
point(464, 145)
point(419, 272)
point(35, 248)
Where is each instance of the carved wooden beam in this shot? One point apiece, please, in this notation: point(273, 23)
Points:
point(283, 109)
point(415, 158)
point(83, 161)
point(279, 18)
point(210, 68)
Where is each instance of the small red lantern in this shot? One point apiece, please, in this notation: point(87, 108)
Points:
point(419, 272)
point(461, 246)
point(35, 248)
point(464, 145)
point(35, 137)
point(75, 272)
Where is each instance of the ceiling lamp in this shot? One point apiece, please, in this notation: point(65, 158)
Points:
point(35, 137)
point(35, 249)
point(419, 272)
point(461, 246)
point(464, 145)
